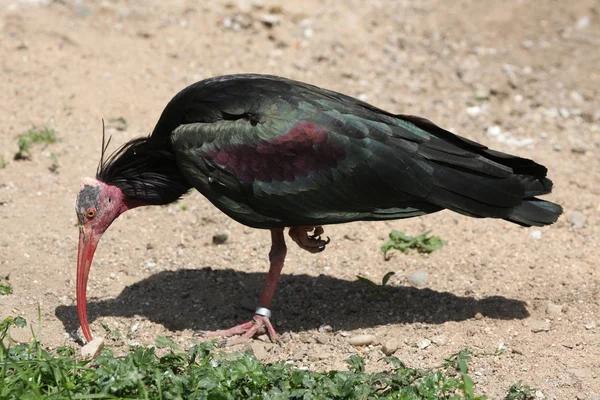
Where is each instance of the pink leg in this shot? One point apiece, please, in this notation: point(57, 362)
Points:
point(260, 323)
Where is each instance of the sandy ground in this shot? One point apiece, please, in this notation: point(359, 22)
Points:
point(520, 76)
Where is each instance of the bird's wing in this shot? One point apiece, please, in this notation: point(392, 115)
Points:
point(293, 154)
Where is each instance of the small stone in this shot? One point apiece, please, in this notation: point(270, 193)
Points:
point(418, 278)
point(361, 340)
point(440, 340)
point(577, 373)
point(325, 329)
point(577, 219)
point(92, 349)
point(583, 22)
point(539, 325)
point(478, 316)
point(539, 394)
point(150, 265)
point(576, 96)
point(578, 145)
point(256, 349)
point(220, 238)
point(590, 326)
point(270, 20)
point(389, 347)
point(299, 355)
point(537, 235)
point(553, 310)
point(322, 339)
point(473, 111)
point(423, 343)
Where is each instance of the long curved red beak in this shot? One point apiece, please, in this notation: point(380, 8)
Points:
point(85, 253)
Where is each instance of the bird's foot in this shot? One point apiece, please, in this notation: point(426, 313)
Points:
point(259, 325)
point(313, 242)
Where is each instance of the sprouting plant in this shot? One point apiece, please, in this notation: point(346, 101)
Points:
point(36, 135)
point(403, 242)
point(519, 391)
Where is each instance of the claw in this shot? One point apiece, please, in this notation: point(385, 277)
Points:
point(312, 243)
point(244, 332)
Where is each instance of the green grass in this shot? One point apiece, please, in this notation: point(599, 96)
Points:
point(402, 242)
point(377, 290)
point(28, 371)
point(5, 286)
point(36, 135)
point(3, 163)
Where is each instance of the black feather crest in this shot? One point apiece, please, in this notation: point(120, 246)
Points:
point(144, 171)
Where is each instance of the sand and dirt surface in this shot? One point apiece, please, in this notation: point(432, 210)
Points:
point(520, 76)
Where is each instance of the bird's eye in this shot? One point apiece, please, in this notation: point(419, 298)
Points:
point(91, 213)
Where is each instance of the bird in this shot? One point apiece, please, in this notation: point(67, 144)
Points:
point(274, 153)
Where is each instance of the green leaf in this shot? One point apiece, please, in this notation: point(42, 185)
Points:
point(20, 322)
point(386, 278)
point(403, 242)
point(163, 341)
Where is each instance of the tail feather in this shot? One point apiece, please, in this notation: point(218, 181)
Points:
point(480, 182)
point(535, 212)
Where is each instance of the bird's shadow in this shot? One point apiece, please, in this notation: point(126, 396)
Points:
point(207, 299)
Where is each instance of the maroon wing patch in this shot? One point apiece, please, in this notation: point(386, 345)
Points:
point(304, 149)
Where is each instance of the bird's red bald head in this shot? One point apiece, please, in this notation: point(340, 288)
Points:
point(98, 205)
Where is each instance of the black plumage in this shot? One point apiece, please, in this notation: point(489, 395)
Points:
point(367, 164)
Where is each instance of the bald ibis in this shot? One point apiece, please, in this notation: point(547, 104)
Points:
point(273, 153)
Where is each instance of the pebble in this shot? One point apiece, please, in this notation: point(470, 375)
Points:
point(423, 343)
point(473, 111)
point(361, 340)
point(440, 340)
point(478, 316)
point(539, 325)
point(590, 326)
point(92, 349)
point(553, 310)
point(325, 329)
point(322, 339)
point(577, 219)
point(418, 278)
point(390, 347)
point(256, 349)
point(536, 235)
point(577, 373)
point(321, 355)
point(270, 20)
point(220, 238)
point(578, 146)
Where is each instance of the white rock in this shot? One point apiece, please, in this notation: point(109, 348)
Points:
point(423, 343)
point(536, 234)
point(418, 278)
point(390, 347)
point(540, 326)
point(577, 219)
point(473, 111)
point(362, 340)
point(256, 349)
point(92, 349)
